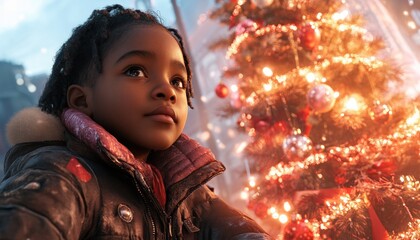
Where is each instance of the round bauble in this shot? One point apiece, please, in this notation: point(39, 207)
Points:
point(321, 98)
point(244, 26)
point(297, 147)
point(380, 113)
point(221, 90)
point(309, 36)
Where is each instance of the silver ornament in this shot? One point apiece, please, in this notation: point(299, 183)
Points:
point(297, 147)
point(321, 98)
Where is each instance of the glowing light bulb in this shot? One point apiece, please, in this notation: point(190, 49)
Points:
point(352, 104)
point(31, 88)
point(412, 25)
point(340, 15)
point(267, 72)
point(244, 195)
point(283, 218)
point(267, 87)
point(241, 2)
point(281, 78)
point(310, 77)
point(234, 88)
point(20, 81)
point(414, 119)
point(287, 207)
point(252, 181)
point(272, 210)
point(241, 147)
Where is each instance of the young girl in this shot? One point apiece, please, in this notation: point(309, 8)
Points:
point(116, 165)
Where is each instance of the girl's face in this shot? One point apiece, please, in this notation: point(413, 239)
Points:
point(140, 97)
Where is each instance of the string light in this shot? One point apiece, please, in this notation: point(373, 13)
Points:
point(413, 231)
point(352, 104)
point(252, 181)
point(366, 151)
point(233, 48)
point(287, 207)
point(281, 169)
point(245, 194)
point(267, 72)
point(340, 15)
point(268, 86)
point(343, 206)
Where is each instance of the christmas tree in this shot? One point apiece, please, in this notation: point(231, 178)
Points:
point(333, 144)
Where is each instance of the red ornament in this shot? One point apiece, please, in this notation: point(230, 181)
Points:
point(251, 204)
point(221, 90)
point(296, 230)
point(261, 125)
point(260, 210)
point(309, 36)
point(382, 169)
point(340, 177)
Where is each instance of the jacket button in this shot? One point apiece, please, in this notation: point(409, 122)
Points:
point(125, 213)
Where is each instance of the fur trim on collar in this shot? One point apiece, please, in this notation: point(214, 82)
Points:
point(33, 125)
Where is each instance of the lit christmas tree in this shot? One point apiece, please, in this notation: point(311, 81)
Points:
point(333, 147)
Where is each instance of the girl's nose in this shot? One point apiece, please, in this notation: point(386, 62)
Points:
point(164, 91)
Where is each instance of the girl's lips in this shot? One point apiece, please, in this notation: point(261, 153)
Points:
point(163, 114)
point(161, 118)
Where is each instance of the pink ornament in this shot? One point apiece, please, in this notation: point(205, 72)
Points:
point(321, 98)
point(297, 147)
point(246, 25)
point(261, 126)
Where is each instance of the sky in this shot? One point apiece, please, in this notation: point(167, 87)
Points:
point(31, 32)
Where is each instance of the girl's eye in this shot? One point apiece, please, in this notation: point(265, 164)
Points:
point(135, 72)
point(179, 83)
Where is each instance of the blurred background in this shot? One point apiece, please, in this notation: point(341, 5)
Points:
point(32, 31)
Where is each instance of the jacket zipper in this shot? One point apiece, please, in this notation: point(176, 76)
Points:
point(170, 227)
point(166, 216)
point(149, 213)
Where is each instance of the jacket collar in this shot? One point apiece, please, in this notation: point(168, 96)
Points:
point(178, 165)
point(184, 166)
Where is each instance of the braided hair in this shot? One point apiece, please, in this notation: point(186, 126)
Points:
point(80, 57)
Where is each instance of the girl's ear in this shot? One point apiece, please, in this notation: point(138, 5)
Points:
point(78, 97)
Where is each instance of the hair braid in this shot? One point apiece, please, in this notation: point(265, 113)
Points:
point(187, 65)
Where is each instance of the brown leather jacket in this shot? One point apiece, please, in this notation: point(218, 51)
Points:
point(86, 187)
